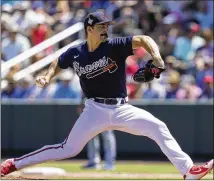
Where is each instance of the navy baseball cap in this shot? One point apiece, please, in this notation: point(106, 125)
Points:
point(97, 18)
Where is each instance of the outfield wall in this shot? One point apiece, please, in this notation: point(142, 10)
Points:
point(31, 125)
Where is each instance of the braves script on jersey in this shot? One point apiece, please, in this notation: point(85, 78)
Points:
point(102, 72)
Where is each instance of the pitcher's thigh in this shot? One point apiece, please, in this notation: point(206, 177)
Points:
point(137, 121)
point(84, 130)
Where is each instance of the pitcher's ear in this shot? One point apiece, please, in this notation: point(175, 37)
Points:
point(89, 29)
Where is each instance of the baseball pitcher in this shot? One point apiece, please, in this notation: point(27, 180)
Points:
point(100, 64)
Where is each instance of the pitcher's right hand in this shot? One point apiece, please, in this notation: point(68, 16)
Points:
point(42, 81)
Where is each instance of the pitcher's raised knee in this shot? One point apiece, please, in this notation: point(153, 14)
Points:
point(162, 126)
point(157, 127)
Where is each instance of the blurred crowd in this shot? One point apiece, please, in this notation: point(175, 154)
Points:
point(182, 29)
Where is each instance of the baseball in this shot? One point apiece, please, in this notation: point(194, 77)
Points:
point(42, 82)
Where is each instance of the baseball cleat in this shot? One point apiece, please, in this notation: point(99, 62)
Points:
point(7, 167)
point(199, 171)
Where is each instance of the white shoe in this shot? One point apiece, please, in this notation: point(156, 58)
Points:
point(199, 171)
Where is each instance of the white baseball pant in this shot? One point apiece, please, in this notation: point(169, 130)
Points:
point(97, 118)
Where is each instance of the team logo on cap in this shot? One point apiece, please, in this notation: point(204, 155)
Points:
point(104, 16)
point(90, 21)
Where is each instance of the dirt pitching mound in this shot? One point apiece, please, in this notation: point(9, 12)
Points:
point(94, 175)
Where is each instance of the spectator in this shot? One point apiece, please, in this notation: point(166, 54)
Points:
point(111, 9)
point(44, 93)
point(51, 7)
point(205, 14)
point(205, 68)
point(127, 23)
point(189, 89)
point(9, 91)
point(183, 31)
point(208, 88)
point(64, 88)
point(186, 46)
point(25, 88)
point(40, 32)
point(13, 70)
point(14, 44)
point(150, 93)
point(4, 30)
point(174, 85)
point(207, 49)
point(24, 17)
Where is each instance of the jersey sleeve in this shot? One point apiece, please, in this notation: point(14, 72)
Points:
point(122, 45)
point(65, 59)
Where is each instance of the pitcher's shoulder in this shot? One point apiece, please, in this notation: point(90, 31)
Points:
point(77, 48)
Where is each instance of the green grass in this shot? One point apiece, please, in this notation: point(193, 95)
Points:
point(142, 169)
point(126, 167)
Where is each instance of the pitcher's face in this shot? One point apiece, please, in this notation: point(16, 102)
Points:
point(99, 32)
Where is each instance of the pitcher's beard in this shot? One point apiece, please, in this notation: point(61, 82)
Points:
point(104, 36)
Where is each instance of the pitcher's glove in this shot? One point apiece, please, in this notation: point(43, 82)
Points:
point(147, 73)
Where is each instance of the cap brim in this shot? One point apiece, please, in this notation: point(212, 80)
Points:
point(107, 22)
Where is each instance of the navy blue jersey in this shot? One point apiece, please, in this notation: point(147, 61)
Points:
point(101, 72)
